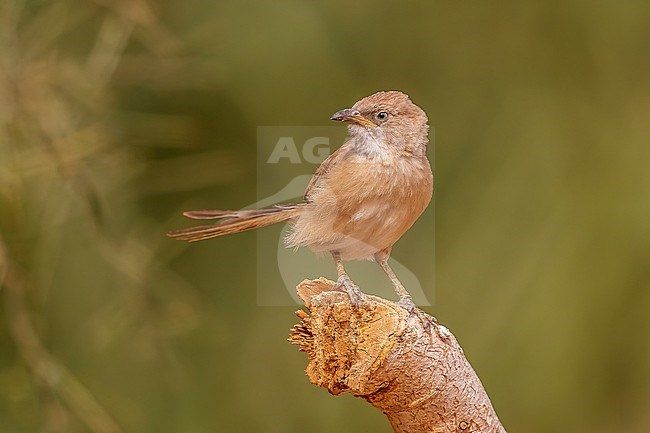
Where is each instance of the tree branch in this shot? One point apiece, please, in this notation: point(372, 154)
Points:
point(416, 373)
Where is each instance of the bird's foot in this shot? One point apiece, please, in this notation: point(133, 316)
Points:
point(426, 320)
point(353, 291)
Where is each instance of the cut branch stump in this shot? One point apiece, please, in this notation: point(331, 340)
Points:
point(412, 370)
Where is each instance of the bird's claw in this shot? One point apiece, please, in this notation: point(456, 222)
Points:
point(353, 291)
point(426, 320)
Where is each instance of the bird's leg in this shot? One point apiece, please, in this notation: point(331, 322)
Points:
point(405, 299)
point(344, 281)
point(397, 284)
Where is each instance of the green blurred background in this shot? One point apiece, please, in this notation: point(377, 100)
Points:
point(118, 115)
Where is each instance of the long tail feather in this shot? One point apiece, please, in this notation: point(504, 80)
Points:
point(217, 214)
point(235, 222)
point(210, 214)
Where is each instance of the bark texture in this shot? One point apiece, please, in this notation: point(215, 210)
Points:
point(414, 372)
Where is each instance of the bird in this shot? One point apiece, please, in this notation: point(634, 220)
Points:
point(361, 199)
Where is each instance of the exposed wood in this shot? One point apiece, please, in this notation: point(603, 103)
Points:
point(412, 370)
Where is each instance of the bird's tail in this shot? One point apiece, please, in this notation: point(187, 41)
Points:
point(233, 221)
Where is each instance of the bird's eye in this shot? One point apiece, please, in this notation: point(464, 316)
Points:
point(382, 115)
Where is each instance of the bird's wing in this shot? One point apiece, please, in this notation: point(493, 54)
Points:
point(326, 166)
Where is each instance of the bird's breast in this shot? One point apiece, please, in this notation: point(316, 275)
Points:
point(364, 206)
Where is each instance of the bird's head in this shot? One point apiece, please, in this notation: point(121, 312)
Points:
point(387, 120)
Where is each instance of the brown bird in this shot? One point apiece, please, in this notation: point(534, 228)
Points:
point(361, 199)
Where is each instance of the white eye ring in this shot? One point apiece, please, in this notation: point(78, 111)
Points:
point(382, 115)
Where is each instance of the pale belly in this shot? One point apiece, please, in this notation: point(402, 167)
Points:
point(375, 228)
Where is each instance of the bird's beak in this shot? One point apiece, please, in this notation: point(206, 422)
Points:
point(352, 116)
